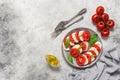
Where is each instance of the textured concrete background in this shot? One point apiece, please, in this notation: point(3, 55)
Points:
point(25, 28)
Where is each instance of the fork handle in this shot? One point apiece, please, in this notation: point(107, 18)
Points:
point(84, 10)
point(81, 18)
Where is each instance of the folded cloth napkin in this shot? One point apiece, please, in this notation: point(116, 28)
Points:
point(106, 68)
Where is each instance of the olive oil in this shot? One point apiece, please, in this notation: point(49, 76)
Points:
point(52, 60)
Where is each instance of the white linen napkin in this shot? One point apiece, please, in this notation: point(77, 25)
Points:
point(107, 67)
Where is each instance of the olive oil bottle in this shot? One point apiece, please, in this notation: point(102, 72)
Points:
point(52, 60)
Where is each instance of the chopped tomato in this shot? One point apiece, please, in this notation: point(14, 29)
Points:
point(86, 35)
point(77, 35)
point(84, 46)
point(97, 47)
point(88, 57)
point(74, 52)
point(93, 53)
point(71, 38)
point(80, 60)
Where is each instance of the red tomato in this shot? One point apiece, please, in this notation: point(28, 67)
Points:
point(84, 46)
point(74, 52)
point(105, 32)
point(71, 38)
point(64, 40)
point(88, 57)
point(100, 25)
point(110, 23)
point(105, 16)
point(77, 35)
point(100, 10)
point(86, 35)
point(80, 60)
point(93, 53)
point(97, 47)
point(95, 18)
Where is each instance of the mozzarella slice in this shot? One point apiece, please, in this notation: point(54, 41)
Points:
point(80, 35)
point(86, 60)
point(77, 46)
point(92, 57)
point(86, 45)
point(99, 44)
point(67, 49)
point(70, 42)
point(94, 49)
point(74, 37)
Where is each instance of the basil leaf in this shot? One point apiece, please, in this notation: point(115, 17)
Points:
point(79, 47)
point(93, 39)
point(67, 43)
point(70, 59)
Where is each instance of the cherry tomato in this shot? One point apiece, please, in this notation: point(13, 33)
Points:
point(84, 46)
point(100, 10)
point(74, 52)
point(97, 47)
point(105, 16)
point(80, 60)
point(88, 57)
point(100, 25)
point(105, 32)
point(95, 18)
point(86, 35)
point(93, 53)
point(77, 35)
point(71, 38)
point(110, 23)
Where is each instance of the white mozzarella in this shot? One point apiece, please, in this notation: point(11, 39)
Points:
point(86, 60)
point(74, 37)
point(99, 44)
point(92, 57)
point(67, 49)
point(94, 49)
point(86, 45)
point(80, 50)
point(70, 42)
point(76, 46)
point(80, 35)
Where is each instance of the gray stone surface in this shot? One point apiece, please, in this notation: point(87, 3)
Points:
point(25, 35)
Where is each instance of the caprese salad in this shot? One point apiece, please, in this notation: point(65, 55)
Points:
point(82, 46)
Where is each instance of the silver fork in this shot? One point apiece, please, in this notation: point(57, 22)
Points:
point(61, 26)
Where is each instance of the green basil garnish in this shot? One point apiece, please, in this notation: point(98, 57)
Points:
point(93, 39)
point(79, 47)
point(67, 43)
point(70, 59)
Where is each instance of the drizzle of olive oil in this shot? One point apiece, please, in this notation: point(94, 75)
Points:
point(52, 60)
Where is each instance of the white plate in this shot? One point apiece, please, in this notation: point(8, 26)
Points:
point(65, 53)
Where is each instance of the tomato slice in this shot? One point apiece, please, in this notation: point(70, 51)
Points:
point(77, 35)
point(89, 57)
point(64, 40)
point(84, 46)
point(80, 60)
point(74, 52)
point(93, 53)
point(71, 38)
point(86, 35)
point(97, 47)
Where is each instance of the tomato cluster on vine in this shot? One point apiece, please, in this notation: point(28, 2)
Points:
point(102, 21)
